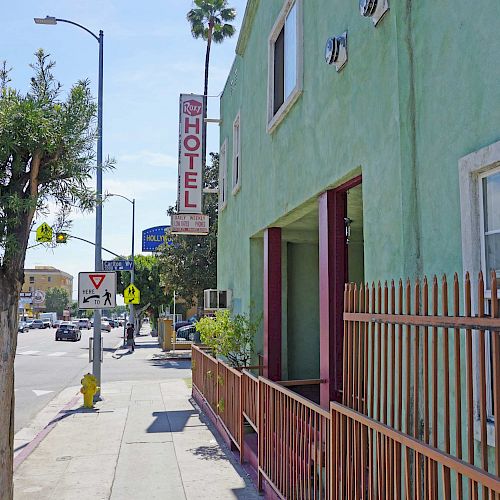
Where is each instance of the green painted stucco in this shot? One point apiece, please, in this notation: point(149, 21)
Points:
point(418, 92)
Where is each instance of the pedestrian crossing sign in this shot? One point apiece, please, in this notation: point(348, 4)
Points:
point(44, 233)
point(132, 295)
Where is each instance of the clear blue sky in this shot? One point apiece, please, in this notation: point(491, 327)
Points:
point(150, 58)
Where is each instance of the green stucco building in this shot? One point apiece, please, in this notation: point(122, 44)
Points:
point(388, 168)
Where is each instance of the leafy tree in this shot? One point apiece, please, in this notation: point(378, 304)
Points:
point(46, 153)
point(188, 264)
point(147, 280)
point(209, 21)
point(56, 300)
point(230, 337)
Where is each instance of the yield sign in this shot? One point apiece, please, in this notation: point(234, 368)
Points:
point(97, 279)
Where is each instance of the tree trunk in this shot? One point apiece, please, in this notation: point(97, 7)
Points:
point(10, 287)
point(205, 102)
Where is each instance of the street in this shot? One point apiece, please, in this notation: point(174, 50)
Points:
point(44, 367)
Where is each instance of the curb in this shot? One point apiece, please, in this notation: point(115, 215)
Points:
point(33, 444)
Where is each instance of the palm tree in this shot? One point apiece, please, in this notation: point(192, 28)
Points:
point(210, 21)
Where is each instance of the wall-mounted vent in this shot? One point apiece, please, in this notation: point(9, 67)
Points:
point(374, 9)
point(216, 299)
point(336, 51)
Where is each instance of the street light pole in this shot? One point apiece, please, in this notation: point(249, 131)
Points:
point(97, 349)
point(132, 272)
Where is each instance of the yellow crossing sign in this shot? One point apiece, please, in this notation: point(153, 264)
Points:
point(44, 233)
point(132, 295)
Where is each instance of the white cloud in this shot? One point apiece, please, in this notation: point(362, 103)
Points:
point(145, 158)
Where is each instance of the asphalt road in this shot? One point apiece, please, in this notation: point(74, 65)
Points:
point(44, 367)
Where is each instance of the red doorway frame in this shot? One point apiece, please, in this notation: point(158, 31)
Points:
point(332, 208)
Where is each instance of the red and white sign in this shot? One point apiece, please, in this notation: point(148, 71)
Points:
point(96, 290)
point(97, 279)
point(189, 224)
point(190, 154)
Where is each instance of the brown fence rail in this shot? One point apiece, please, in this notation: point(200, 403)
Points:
point(294, 440)
point(229, 401)
point(250, 398)
point(420, 409)
point(411, 365)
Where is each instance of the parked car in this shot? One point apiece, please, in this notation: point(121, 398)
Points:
point(37, 324)
point(84, 323)
point(186, 332)
point(29, 322)
point(57, 323)
point(23, 327)
point(180, 324)
point(47, 323)
point(105, 326)
point(67, 331)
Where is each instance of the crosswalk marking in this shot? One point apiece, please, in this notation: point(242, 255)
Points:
point(58, 353)
point(28, 353)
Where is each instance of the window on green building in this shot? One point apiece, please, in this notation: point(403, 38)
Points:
point(285, 61)
point(223, 176)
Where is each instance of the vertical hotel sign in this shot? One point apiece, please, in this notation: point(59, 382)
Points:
point(190, 154)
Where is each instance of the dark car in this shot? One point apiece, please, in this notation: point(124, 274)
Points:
point(113, 323)
point(187, 332)
point(181, 324)
point(67, 331)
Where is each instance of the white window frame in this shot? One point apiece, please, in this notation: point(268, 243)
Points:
point(236, 154)
point(472, 169)
point(223, 176)
point(274, 119)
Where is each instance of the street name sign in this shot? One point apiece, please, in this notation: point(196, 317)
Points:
point(44, 233)
point(96, 290)
point(118, 265)
point(190, 224)
point(131, 295)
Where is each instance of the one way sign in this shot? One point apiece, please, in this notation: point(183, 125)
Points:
point(96, 290)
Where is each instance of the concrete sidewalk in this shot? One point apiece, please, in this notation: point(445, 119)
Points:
point(145, 440)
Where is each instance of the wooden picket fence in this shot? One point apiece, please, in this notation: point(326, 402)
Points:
point(421, 399)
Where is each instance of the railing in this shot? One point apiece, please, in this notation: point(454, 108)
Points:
point(420, 409)
point(229, 401)
point(420, 389)
point(205, 375)
point(294, 440)
point(250, 398)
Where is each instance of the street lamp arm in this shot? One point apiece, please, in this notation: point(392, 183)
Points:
point(80, 26)
point(92, 243)
point(120, 196)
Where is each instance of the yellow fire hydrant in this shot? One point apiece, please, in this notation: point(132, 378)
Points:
point(89, 388)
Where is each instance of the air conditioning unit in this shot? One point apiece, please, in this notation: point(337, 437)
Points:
point(374, 9)
point(216, 299)
point(336, 51)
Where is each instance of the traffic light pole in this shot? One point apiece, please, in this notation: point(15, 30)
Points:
point(132, 272)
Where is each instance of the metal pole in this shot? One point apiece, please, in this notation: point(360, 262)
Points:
point(96, 366)
point(132, 272)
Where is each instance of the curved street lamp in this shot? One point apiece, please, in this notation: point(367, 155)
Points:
point(132, 272)
point(50, 20)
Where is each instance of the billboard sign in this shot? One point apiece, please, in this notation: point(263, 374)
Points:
point(190, 180)
point(153, 237)
point(190, 224)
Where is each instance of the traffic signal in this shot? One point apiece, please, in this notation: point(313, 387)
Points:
point(61, 237)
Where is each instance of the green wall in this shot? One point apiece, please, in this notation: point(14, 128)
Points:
point(303, 311)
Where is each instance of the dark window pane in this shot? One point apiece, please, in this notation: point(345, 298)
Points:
point(279, 69)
